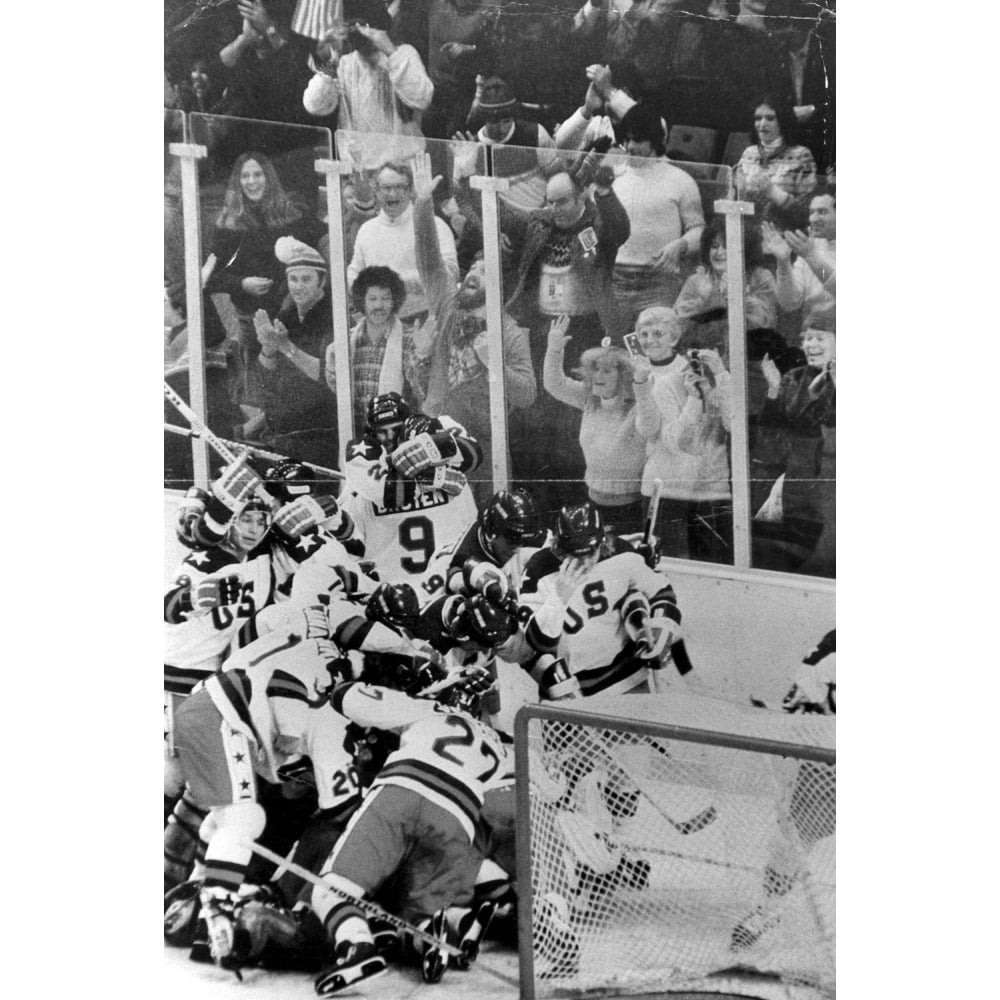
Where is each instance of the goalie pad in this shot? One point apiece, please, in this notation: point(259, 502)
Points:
point(237, 483)
point(586, 842)
point(215, 593)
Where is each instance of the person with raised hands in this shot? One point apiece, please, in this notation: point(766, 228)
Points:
point(459, 375)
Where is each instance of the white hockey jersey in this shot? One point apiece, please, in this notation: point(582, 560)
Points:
point(588, 629)
point(444, 754)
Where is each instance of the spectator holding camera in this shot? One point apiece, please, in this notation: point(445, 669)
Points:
point(675, 405)
point(375, 86)
point(708, 289)
point(613, 450)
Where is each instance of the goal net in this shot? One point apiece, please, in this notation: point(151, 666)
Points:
point(675, 843)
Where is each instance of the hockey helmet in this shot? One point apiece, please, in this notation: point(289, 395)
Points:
point(387, 412)
point(579, 531)
point(512, 515)
point(394, 604)
point(485, 623)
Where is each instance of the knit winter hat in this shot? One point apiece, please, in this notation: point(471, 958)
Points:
point(294, 253)
point(497, 100)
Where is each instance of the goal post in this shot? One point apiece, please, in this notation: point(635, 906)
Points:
point(675, 842)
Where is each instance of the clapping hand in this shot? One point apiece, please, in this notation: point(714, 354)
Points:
point(771, 375)
point(557, 333)
point(255, 14)
point(466, 157)
point(378, 37)
point(600, 78)
point(800, 242)
point(593, 102)
point(774, 243)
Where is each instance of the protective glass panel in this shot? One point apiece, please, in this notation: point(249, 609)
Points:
point(617, 240)
point(266, 325)
point(413, 237)
point(790, 304)
point(176, 447)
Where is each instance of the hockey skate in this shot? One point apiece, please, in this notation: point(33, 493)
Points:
point(471, 930)
point(434, 961)
point(356, 960)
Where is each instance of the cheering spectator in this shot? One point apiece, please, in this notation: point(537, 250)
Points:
point(707, 288)
point(388, 240)
point(774, 173)
point(256, 211)
point(267, 68)
point(459, 376)
point(613, 450)
point(384, 356)
point(300, 418)
point(798, 422)
point(665, 217)
point(378, 88)
point(665, 409)
point(812, 279)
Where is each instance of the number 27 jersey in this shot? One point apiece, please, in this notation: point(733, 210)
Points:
point(444, 754)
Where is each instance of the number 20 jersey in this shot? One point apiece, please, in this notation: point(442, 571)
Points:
point(444, 754)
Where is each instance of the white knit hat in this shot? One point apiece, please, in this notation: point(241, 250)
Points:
point(294, 253)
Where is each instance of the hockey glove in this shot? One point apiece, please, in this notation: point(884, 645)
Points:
point(451, 481)
point(555, 682)
point(236, 484)
point(216, 592)
point(303, 514)
point(487, 579)
point(190, 511)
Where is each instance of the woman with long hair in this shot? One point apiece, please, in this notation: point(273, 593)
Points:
point(774, 172)
point(707, 288)
point(612, 448)
point(256, 211)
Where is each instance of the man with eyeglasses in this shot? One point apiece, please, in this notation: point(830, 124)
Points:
point(458, 381)
point(388, 240)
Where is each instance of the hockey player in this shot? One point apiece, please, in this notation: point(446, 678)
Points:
point(418, 820)
point(812, 803)
point(407, 483)
point(245, 723)
point(598, 618)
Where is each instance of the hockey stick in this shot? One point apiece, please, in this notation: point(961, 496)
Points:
point(654, 507)
point(272, 456)
point(373, 909)
point(197, 425)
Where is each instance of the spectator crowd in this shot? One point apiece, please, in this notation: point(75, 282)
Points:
point(613, 127)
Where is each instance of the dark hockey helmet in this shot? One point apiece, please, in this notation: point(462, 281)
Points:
point(485, 623)
point(387, 412)
point(579, 531)
point(512, 515)
point(394, 604)
point(289, 479)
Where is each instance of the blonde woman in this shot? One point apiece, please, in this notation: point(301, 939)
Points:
point(613, 450)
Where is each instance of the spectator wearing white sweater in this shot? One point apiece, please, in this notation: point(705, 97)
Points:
point(613, 449)
point(388, 240)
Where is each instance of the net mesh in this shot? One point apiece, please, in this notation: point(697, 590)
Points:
point(659, 862)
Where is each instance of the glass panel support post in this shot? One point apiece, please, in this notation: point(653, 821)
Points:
point(490, 188)
point(734, 212)
point(335, 170)
point(189, 154)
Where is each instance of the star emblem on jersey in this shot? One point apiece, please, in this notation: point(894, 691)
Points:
point(239, 758)
point(198, 558)
point(244, 786)
point(309, 543)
